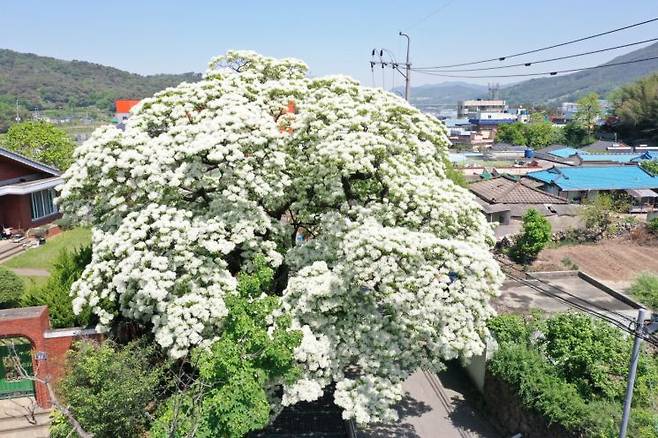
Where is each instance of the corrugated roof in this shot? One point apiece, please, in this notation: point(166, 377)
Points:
point(565, 152)
point(615, 158)
point(597, 178)
point(503, 190)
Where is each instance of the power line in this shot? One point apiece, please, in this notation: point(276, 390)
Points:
point(431, 14)
point(550, 73)
point(541, 61)
point(577, 40)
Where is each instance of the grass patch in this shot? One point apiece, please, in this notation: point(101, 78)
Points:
point(43, 257)
point(645, 289)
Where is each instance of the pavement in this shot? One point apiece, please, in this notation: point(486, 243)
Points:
point(436, 406)
point(517, 297)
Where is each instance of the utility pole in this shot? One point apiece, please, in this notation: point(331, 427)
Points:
point(407, 77)
point(395, 65)
point(640, 330)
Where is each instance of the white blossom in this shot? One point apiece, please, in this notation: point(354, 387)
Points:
point(395, 271)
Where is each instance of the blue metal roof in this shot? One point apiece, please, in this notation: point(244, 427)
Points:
point(566, 152)
point(617, 158)
point(597, 178)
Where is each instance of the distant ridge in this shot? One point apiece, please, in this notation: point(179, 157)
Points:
point(570, 87)
point(548, 90)
point(45, 83)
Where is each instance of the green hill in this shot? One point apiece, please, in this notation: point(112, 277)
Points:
point(570, 87)
point(53, 85)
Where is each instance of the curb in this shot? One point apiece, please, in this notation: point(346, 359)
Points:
point(610, 291)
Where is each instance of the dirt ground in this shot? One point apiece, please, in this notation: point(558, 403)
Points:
point(618, 260)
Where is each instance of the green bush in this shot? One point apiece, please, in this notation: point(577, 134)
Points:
point(538, 385)
point(11, 288)
point(535, 235)
point(645, 289)
point(574, 373)
point(110, 389)
point(56, 292)
point(588, 353)
point(652, 225)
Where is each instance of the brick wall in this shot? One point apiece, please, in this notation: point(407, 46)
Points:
point(49, 347)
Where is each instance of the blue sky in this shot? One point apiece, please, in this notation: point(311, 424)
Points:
point(331, 36)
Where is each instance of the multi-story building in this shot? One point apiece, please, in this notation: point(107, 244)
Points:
point(468, 108)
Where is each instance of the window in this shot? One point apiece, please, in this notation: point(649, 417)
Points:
point(42, 204)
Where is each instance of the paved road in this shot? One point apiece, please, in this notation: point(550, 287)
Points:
point(436, 407)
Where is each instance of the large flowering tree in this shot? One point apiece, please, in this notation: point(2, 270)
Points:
point(393, 271)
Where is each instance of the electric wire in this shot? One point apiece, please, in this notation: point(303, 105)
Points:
point(541, 61)
point(552, 46)
point(628, 328)
point(550, 73)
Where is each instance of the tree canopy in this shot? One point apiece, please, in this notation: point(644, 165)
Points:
point(380, 261)
point(588, 113)
point(636, 105)
point(537, 133)
point(42, 142)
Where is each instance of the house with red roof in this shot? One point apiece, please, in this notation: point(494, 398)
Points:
point(122, 109)
point(27, 191)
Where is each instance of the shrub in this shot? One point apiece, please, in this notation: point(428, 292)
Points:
point(535, 235)
point(56, 292)
point(652, 225)
point(575, 374)
point(645, 289)
point(588, 353)
point(538, 386)
point(109, 388)
point(11, 288)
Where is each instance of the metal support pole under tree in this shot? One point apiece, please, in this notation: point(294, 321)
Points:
point(635, 356)
point(407, 77)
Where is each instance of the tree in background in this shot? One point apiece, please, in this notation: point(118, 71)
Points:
point(11, 288)
point(536, 233)
point(636, 105)
point(537, 133)
point(575, 135)
point(514, 133)
point(588, 113)
point(42, 142)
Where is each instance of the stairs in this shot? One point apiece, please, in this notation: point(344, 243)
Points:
point(9, 248)
point(21, 418)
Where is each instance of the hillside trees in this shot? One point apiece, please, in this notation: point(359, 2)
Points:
point(636, 105)
point(588, 113)
point(394, 272)
point(42, 142)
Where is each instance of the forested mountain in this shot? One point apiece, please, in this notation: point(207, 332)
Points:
point(570, 87)
point(547, 90)
point(48, 83)
point(445, 92)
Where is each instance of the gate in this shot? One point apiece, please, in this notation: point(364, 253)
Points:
point(12, 385)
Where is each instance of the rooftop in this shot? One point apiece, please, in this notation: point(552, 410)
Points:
point(597, 178)
point(505, 190)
